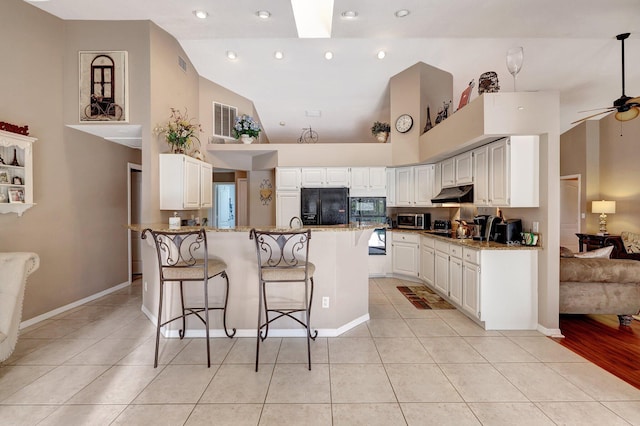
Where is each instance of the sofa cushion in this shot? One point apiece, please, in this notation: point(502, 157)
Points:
point(631, 241)
point(604, 253)
point(599, 270)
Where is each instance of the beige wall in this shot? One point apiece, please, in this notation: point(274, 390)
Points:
point(80, 181)
point(261, 214)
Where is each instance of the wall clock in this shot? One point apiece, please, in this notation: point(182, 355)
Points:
point(404, 123)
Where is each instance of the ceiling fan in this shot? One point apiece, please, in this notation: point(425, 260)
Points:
point(626, 108)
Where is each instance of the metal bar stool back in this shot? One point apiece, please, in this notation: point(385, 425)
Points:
point(283, 258)
point(183, 257)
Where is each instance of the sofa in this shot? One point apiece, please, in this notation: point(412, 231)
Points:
point(600, 286)
point(14, 270)
point(625, 247)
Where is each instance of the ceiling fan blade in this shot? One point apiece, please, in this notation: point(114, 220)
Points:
point(597, 109)
point(628, 115)
point(593, 115)
point(633, 101)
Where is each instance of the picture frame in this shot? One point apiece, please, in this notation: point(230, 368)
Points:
point(16, 195)
point(4, 176)
point(104, 86)
point(17, 180)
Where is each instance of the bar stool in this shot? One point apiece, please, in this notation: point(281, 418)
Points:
point(283, 258)
point(176, 252)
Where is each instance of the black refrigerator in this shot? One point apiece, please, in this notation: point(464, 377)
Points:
point(324, 206)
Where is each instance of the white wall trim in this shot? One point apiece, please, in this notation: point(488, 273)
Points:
point(551, 332)
point(130, 167)
point(70, 306)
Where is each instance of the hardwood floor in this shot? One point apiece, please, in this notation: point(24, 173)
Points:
point(601, 340)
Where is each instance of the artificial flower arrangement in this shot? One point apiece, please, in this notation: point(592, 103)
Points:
point(380, 127)
point(179, 131)
point(246, 125)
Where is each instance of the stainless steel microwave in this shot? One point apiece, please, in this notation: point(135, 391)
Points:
point(414, 220)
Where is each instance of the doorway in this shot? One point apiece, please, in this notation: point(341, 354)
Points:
point(223, 211)
point(570, 217)
point(134, 189)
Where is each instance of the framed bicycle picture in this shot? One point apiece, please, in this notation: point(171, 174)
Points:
point(104, 86)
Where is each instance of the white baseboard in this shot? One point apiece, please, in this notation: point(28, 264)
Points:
point(551, 332)
point(70, 306)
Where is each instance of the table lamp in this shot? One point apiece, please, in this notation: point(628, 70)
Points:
point(603, 207)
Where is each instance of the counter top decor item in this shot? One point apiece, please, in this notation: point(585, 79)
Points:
point(246, 128)
point(381, 131)
point(180, 131)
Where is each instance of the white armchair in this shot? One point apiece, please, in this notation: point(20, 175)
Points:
point(14, 270)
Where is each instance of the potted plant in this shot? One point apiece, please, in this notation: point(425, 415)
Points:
point(179, 131)
point(381, 131)
point(246, 128)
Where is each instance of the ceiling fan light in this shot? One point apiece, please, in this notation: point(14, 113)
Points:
point(635, 101)
point(630, 114)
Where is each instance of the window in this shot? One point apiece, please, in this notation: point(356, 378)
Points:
point(223, 119)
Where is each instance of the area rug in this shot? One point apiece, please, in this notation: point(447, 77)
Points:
point(423, 298)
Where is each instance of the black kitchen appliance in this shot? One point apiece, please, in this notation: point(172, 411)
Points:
point(490, 227)
point(368, 210)
point(324, 206)
point(508, 232)
point(442, 227)
point(481, 227)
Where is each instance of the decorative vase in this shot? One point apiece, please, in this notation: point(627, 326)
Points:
point(246, 139)
point(382, 136)
point(178, 150)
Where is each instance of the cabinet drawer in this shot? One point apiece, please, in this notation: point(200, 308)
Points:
point(428, 242)
point(444, 247)
point(470, 255)
point(455, 251)
point(406, 237)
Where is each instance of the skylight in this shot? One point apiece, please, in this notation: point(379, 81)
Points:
point(313, 18)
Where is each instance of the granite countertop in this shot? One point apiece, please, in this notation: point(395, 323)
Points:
point(469, 242)
point(164, 227)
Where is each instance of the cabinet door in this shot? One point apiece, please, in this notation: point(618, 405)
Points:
point(404, 186)
point(442, 272)
point(378, 178)
point(455, 280)
point(391, 188)
point(405, 259)
point(191, 193)
point(481, 176)
point(499, 173)
point(471, 289)
point(288, 178)
point(359, 178)
point(427, 264)
point(423, 183)
point(448, 170)
point(313, 177)
point(206, 185)
point(337, 177)
point(287, 206)
point(464, 168)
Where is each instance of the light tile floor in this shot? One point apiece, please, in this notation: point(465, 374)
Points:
point(94, 366)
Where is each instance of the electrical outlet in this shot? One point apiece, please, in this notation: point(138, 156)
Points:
point(325, 302)
point(536, 226)
point(145, 286)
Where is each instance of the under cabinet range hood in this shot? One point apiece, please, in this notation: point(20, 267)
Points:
point(456, 194)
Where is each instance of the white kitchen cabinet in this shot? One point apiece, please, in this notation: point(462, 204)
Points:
point(442, 268)
point(481, 176)
point(406, 254)
point(287, 206)
point(288, 178)
point(437, 178)
point(427, 260)
point(404, 187)
point(455, 280)
point(182, 181)
point(448, 172)
point(423, 185)
point(514, 172)
point(464, 168)
point(317, 177)
point(471, 282)
point(368, 182)
point(391, 187)
point(16, 181)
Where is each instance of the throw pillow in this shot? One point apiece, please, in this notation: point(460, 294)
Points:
point(603, 253)
point(631, 241)
point(565, 252)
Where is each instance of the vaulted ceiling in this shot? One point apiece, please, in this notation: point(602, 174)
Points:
point(569, 46)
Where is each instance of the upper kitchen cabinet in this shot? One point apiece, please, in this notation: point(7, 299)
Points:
point(457, 170)
point(404, 187)
point(16, 173)
point(368, 182)
point(316, 177)
point(288, 178)
point(424, 177)
point(185, 183)
point(391, 187)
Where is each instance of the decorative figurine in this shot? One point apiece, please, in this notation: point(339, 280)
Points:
point(428, 125)
point(15, 158)
point(488, 83)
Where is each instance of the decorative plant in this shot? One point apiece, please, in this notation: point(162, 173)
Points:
point(380, 127)
point(180, 130)
point(246, 125)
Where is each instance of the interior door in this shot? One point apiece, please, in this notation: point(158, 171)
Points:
point(225, 205)
point(569, 211)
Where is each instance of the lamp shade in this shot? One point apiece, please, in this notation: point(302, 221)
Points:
point(603, 206)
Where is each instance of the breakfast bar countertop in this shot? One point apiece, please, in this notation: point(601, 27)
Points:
point(164, 227)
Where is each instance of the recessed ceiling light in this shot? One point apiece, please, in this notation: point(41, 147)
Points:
point(402, 13)
point(231, 54)
point(200, 14)
point(263, 14)
point(278, 54)
point(381, 54)
point(349, 14)
point(328, 55)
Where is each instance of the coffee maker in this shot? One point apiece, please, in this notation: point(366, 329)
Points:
point(481, 227)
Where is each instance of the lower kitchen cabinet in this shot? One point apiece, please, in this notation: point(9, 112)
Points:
point(471, 289)
point(406, 253)
point(441, 281)
point(455, 280)
point(427, 260)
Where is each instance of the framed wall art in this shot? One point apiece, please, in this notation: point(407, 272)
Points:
point(16, 195)
point(104, 86)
